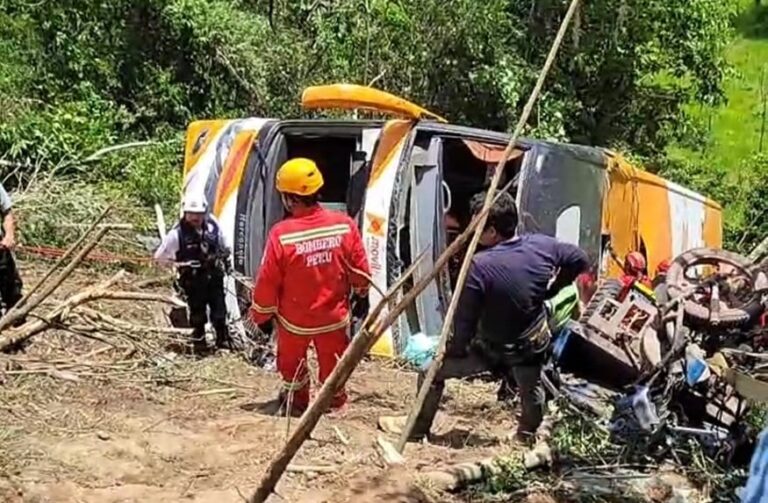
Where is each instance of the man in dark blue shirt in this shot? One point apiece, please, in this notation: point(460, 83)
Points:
point(504, 298)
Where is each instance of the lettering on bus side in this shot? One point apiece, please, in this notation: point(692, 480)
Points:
point(374, 256)
point(240, 242)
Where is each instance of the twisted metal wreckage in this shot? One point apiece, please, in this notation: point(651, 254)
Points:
point(682, 361)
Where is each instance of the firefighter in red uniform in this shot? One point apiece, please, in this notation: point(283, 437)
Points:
point(312, 260)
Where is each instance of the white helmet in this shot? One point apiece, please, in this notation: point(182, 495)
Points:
point(194, 204)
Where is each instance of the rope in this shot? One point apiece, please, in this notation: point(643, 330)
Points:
point(483, 217)
point(103, 257)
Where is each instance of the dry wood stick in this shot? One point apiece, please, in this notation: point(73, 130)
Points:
point(13, 316)
point(55, 267)
point(361, 344)
point(489, 198)
point(141, 296)
point(60, 312)
point(98, 317)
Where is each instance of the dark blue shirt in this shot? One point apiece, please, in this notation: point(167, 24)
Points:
point(507, 286)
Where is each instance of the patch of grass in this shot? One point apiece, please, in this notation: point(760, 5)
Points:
point(757, 417)
point(734, 129)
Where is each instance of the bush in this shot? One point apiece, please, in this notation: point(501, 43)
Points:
point(742, 192)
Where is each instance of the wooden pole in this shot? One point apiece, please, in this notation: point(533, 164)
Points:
point(764, 98)
point(489, 198)
point(55, 266)
point(14, 315)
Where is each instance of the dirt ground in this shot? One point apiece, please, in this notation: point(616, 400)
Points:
point(94, 418)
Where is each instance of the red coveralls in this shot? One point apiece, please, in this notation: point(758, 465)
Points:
point(311, 261)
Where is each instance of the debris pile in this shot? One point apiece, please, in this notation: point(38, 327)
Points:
point(36, 313)
point(650, 386)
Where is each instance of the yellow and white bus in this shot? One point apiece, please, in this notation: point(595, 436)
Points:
point(408, 180)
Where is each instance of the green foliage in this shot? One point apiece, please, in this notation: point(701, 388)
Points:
point(720, 153)
point(81, 75)
point(757, 417)
point(54, 212)
point(744, 192)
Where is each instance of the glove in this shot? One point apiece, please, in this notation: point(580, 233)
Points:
point(360, 306)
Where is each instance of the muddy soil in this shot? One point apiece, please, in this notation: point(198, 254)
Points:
point(147, 425)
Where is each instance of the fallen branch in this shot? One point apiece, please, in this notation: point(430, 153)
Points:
point(340, 435)
point(124, 326)
point(146, 283)
point(114, 148)
point(312, 469)
point(15, 315)
point(459, 475)
point(145, 297)
point(29, 329)
point(220, 391)
point(19, 311)
point(92, 321)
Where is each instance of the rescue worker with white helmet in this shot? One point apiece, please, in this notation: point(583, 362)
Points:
point(196, 245)
point(313, 260)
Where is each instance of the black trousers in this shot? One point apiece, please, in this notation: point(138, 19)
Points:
point(10, 281)
point(526, 374)
point(205, 292)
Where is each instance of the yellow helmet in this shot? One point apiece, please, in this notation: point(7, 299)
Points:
point(299, 176)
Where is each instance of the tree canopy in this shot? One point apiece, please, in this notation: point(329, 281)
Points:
point(76, 76)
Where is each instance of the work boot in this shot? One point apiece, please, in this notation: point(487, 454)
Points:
point(524, 437)
point(296, 410)
point(199, 344)
point(223, 340)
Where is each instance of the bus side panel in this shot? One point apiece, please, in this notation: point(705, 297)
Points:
point(620, 215)
point(200, 135)
point(687, 218)
point(713, 226)
point(655, 215)
point(663, 218)
point(377, 214)
point(203, 177)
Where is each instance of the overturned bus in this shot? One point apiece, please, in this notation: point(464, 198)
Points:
point(408, 181)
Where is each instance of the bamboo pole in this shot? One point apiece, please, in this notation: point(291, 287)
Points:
point(15, 315)
point(55, 267)
point(489, 198)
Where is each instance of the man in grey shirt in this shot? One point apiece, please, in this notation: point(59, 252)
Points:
point(10, 281)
